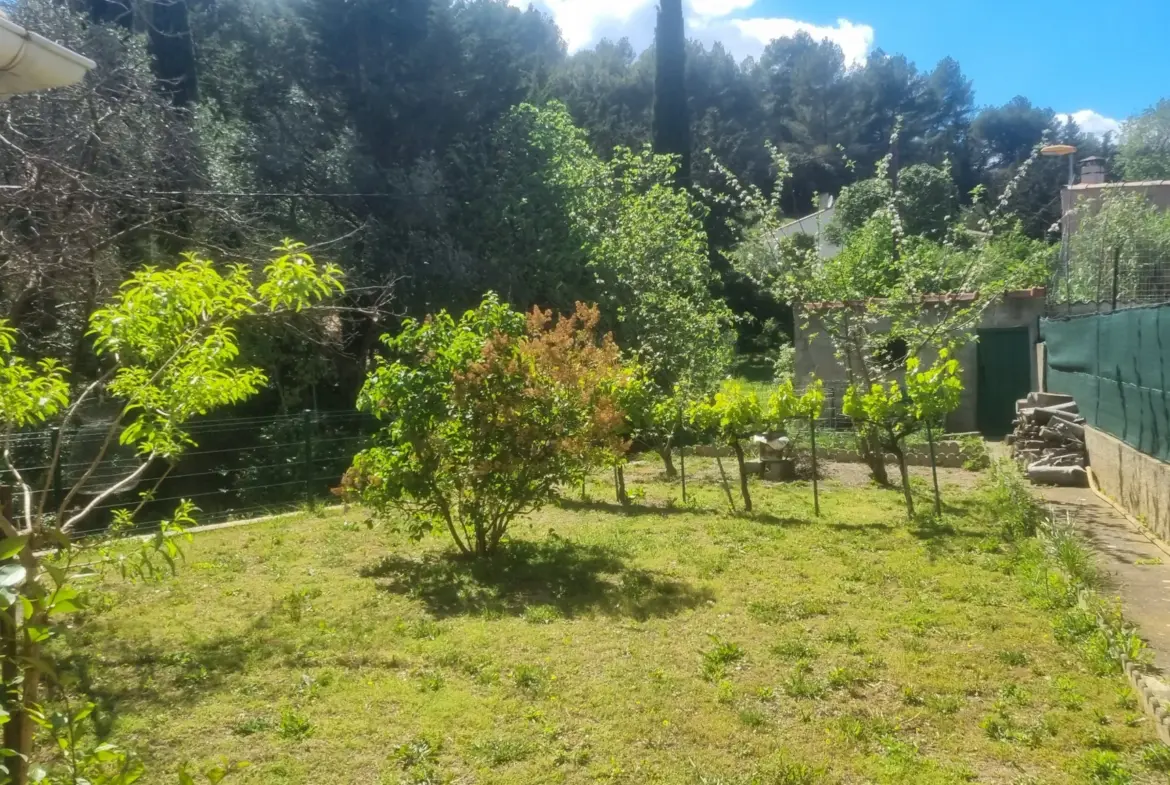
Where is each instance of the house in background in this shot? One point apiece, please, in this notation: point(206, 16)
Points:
point(29, 62)
point(815, 225)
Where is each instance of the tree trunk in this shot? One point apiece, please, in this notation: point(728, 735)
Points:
point(901, 456)
point(875, 458)
point(743, 478)
point(726, 487)
point(481, 540)
point(668, 461)
point(619, 485)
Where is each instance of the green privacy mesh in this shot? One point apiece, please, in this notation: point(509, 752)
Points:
point(1117, 366)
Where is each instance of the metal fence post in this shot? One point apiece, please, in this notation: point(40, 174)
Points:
point(307, 467)
point(55, 447)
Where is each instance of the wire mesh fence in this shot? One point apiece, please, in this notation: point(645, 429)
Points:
point(240, 467)
point(1115, 255)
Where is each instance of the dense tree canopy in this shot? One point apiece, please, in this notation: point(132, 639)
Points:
point(383, 131)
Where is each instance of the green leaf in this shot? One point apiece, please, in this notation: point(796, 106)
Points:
point(38, 634)
point(56, 573)
point(10, 546)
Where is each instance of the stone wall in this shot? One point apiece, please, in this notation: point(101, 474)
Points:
point(1136, 481)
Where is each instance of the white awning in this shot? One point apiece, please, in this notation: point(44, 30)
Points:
point(29, 62)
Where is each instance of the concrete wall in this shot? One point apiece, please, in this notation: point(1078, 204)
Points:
point(1131, 478)
point(814, 350)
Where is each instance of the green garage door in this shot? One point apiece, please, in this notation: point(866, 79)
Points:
point(1004, 375)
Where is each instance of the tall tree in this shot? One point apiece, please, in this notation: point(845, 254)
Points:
point(1144, 152)
point(672, 127)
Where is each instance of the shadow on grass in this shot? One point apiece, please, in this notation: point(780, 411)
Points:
point(572, 578)
point(861, 527)
point(772, 520)
point(633, 510)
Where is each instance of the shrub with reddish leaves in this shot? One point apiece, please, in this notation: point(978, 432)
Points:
point(484, 416)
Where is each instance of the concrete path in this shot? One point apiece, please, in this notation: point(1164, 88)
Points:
point(1135, 567)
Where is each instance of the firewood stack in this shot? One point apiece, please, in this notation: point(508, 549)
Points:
point(1049, 439)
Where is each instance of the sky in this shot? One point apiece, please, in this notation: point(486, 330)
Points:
point(1099, 62)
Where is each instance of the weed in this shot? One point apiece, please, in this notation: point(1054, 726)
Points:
point(531, 678)
point(1102, 739)
point(1015, 659)
point(1156, 757)
point(911, 696)
point(1104, 767)
point(423, 629)
point(845, 677)
point(294, 726)
point(430, 681)
point(252, 726)
point(1067, 694)
point(1126, 698)
point(944, 704)
point(416, 752)
point(845, 635)
point(541, 614)
point(753, 718)
point(721, 654)
point(297, 603)
point(802, 684)
point(1148, 562)
point(775, 612)
point(794, 649)
point(1012, 693)
point(726, 692)
point(499, 751)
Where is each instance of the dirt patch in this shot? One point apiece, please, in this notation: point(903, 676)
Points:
point(856, 475)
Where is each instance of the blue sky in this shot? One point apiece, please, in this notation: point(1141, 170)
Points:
point(1101, 61)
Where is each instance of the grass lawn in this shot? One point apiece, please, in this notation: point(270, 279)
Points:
point(660, 644)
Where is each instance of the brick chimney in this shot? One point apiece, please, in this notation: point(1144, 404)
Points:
point(1092, 170)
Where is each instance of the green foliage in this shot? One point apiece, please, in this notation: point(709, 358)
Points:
point(1122, 230)
point(784, 404)
point(485, 416)
point(168, 342)
point(893, 411)
point(1144, 151)
point(718, 658)
point(647, 249)
point(730, 416)
point(1019, 513)
point(934, 392)
point(29, 393)
point(927, 200)
point(173, 335)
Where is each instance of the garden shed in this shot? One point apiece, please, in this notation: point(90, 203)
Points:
point(998, 368)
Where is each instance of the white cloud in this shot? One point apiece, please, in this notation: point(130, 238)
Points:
point(713, 9)
point(579, 19)
point(584, 22)
point(855, 40)
point(1093, 122)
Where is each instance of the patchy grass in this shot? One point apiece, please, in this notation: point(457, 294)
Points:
point(657, 643)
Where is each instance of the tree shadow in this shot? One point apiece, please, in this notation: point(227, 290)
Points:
point(773, 520)
point(860, 527)
point(573, 578)
point(614, 508)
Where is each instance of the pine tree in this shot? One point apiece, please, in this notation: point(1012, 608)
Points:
point(672, 129)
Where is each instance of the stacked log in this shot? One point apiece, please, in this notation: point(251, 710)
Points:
point(1049, 439)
